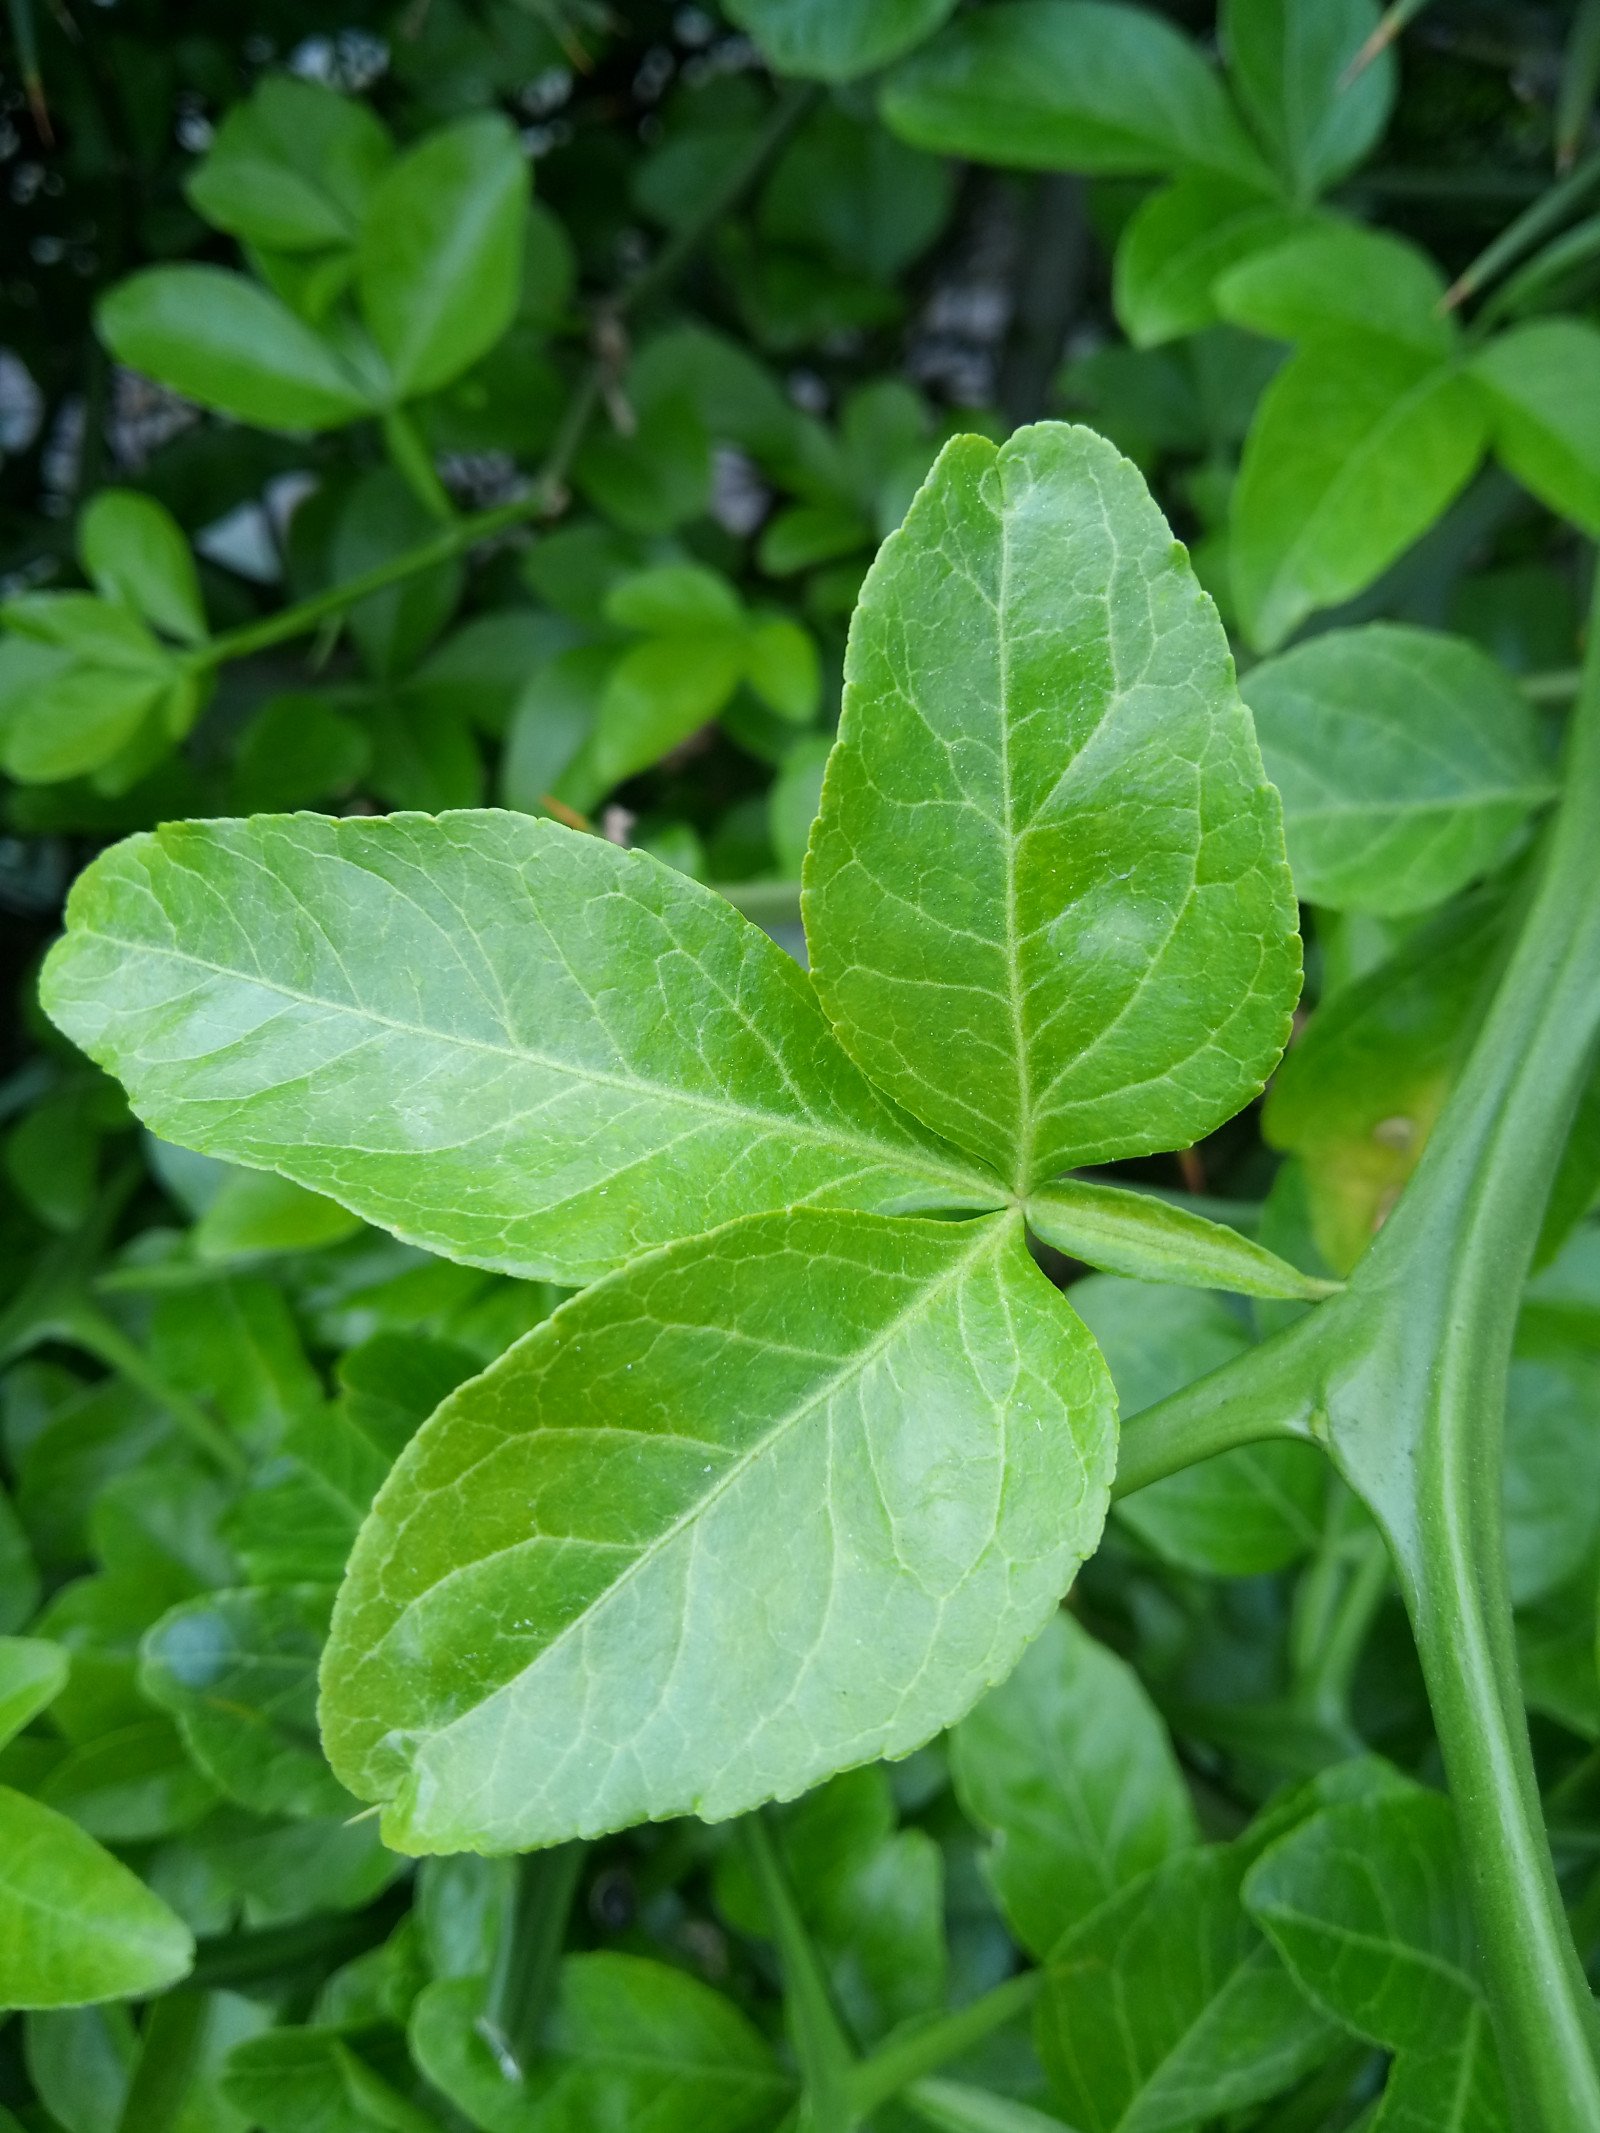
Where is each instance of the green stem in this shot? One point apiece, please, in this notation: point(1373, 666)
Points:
point(90, 1329)
point(529, 1955)
point(1535, 223)
point(827, 2060)
point(1414, 1407)
point(915, 2052)
point(413, 461)
point(169, 2058)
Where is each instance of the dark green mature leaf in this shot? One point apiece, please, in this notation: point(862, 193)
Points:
point(1335, 278)
point(1070, 85)
point(229, 344)
point(835, 40)
point(1045, 898)
point(75, 1924)
point(1541, 383)
point(517, 1045)
point(1137, 1234)
point(440, 262)
point(1359, 444)
point(1181, 242)
point(292, 167)
point(1406, 761)
point(1166, 2007)
point(629, 2043)
point(1367, 1902)
point(238, 1672)
point(1287, 59)
point(547, 1628)
point(1069, 1770)
point(1457, 2090)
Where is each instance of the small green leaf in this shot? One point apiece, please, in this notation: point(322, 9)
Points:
point(1137, 1234)
point(292, 167)
point(440, 262)
point(1406, 761)
point(1070, 85)
point(1358, 446)
point(134, 550)
point(1367, 1902)
point(835, 40)
point(781, 665)
point(1069, 1771)
point(1180, 243)
point(628, 2043)
point(657, 694)
point(495, 1039)
point(1288, 59)
point(1541, 384)
point(258, 1212)
point(132, 1783)
point(75, 1925)
point(1166, 2007)
point(237, 1671)
point(673, 600)
point(798, 1407)
point(33, 1673)
point(227, 343)
point(1042, 752)
point(62, 717)
point(1337, 278)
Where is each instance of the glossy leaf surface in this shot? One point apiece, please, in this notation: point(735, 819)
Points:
point(1137, 1234)
point(517, 1045)
point(860, 1420)
point(1045, 899)
point(835, 40)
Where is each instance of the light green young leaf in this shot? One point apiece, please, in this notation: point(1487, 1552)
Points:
point(1134, 1233)
point(1045, 899)
point(75, 1924)
point(1254, 1509)
point(1406, 761)
point(61, 717)
point(1070, 1772)
point(134, 550)
point(33, 1672)
point(226, 342)
point(1337, 278)
point(257, 1212)
point(1178, 245)
point(520, 1046)
point(1070, 85)
point(629, 2042)
point(835, 40)
point(439, 268)
point(547, 1627)
point(674, 600)
point(1358, 445)
point(781, 665)
point(238, 1673)
point(1287, 59)
point(131, 1784)
point(657, 694)
point(957, 2107)
point(291, 167)
point(1166, 2007)
point(1541, 383)
point(1367, 1903)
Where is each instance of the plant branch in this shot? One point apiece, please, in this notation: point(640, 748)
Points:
point(529, 1955)
point(826, 2057)
point(928, 2045)
point(547, 494)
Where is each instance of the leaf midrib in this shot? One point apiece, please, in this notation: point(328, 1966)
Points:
point(804, 1125)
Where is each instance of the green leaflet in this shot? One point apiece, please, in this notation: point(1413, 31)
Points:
point(33, 1672)
point(1337, 278)
point(1457, 2090)
point(1069, 1769)
point(1540, 384)
point(1181, 243)
point(857, 1419)
point(1287, 61)
point(439, 266)
point(75, 1924)
point(232, 346)
point(628, 2043)
point(1406, 760)
point(1070, 85)
point(1166, 2007)
point(1136, 1234)
point(135, 551)
point(1359, 444)
point(292, 167)
point(835, 40)
point(1045, 898)
point(517, 1045)
point(237, 1671)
